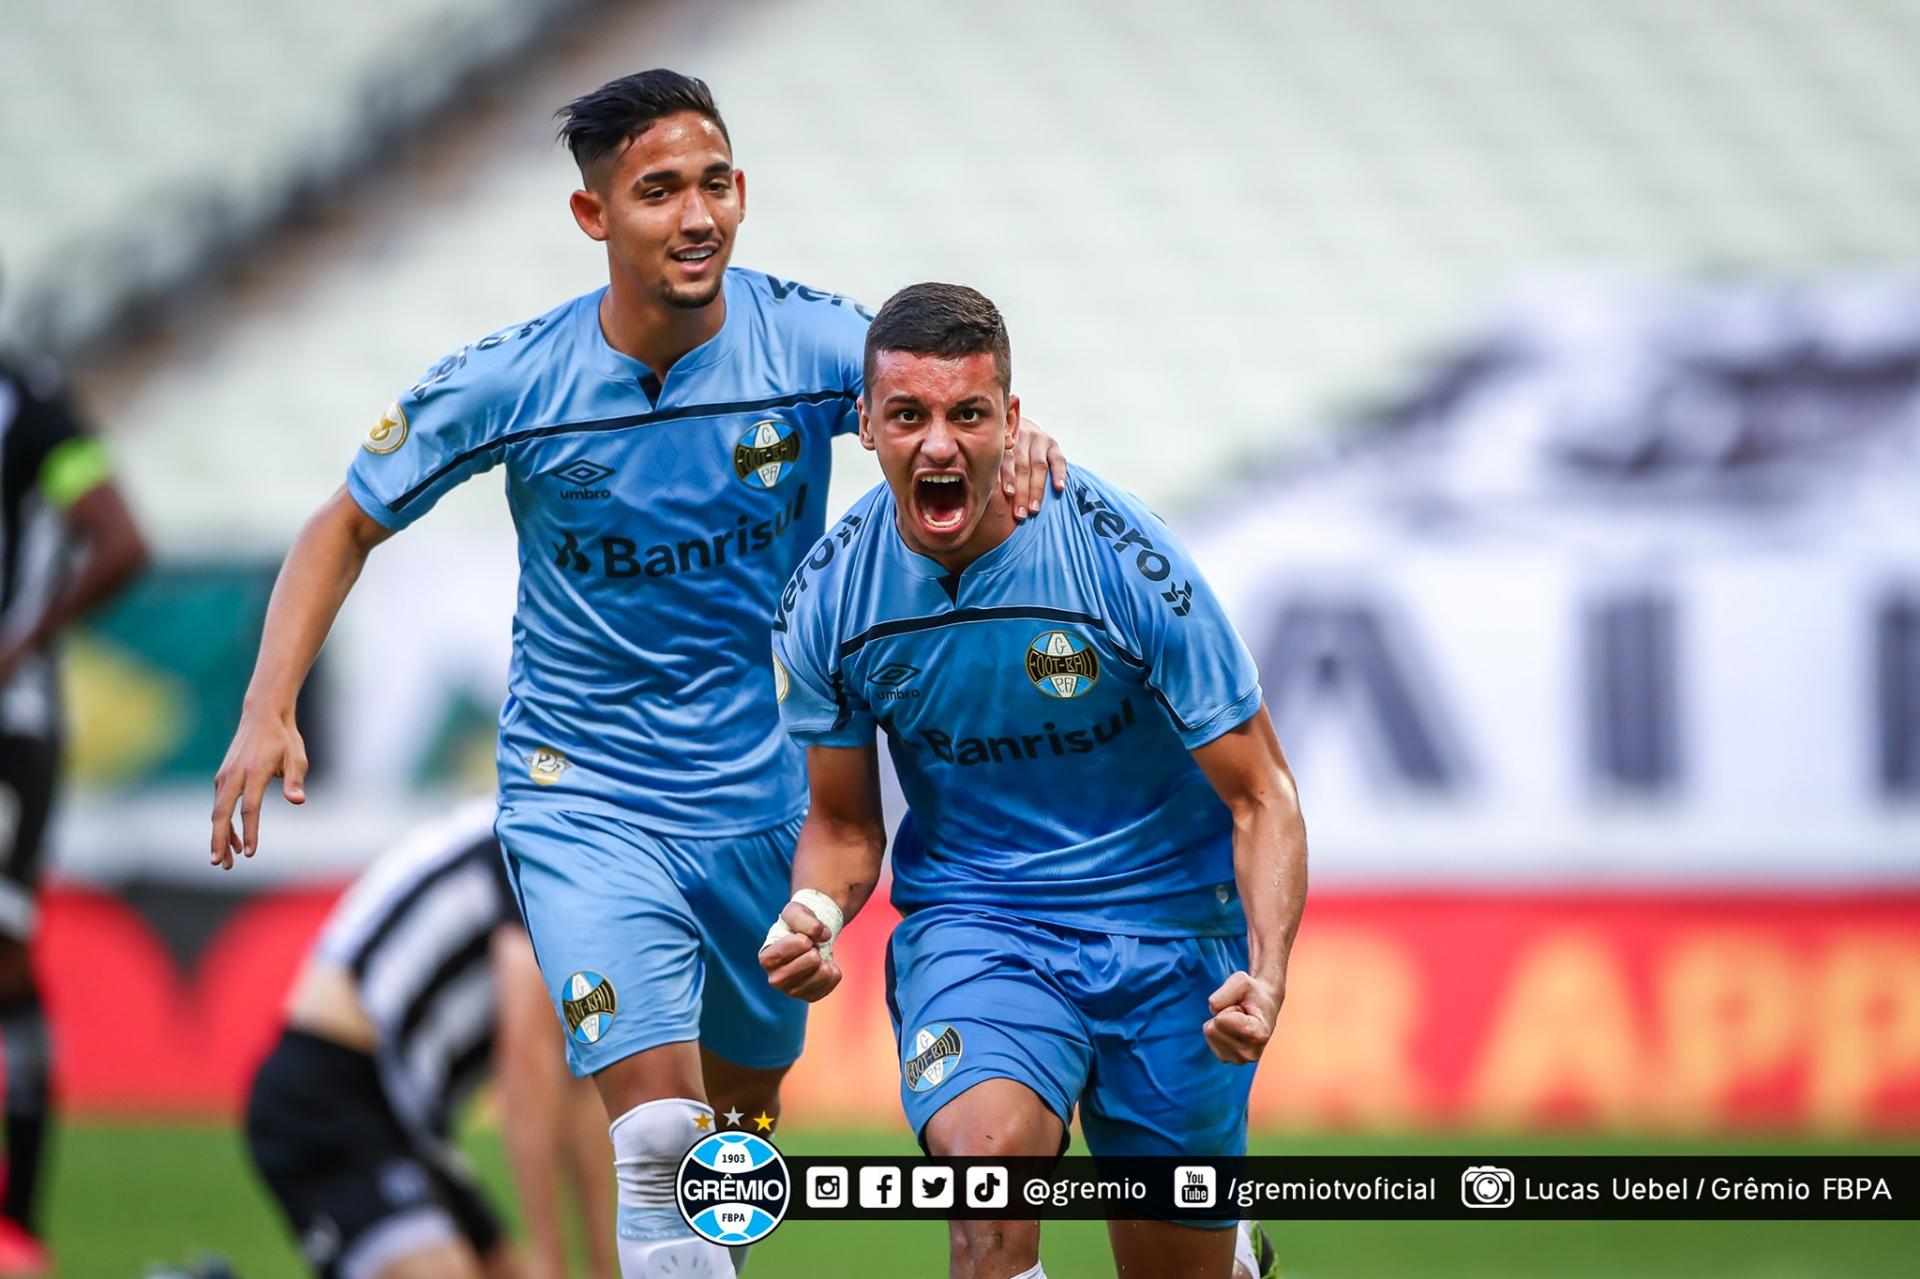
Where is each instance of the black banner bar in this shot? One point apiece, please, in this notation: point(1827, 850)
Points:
point(1362, 1187)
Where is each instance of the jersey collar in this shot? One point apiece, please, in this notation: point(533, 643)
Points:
point(621, 367)
point(1010, 551)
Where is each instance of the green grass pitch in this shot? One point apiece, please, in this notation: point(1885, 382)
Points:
point(125, 1196)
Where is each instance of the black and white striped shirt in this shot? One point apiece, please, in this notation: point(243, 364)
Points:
point(415, 932)
point(41, 439)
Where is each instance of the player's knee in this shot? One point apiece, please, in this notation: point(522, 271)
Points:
point(648, 1143)
point(991, 1249)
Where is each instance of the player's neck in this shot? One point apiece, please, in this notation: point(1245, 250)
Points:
point(652, 332)
point(996, 526)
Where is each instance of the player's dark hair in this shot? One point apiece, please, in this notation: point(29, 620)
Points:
point(598, 124)
point(945, 320)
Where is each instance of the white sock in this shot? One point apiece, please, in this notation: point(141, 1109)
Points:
point(1035, 1272)
point(648, 1143)
point(1243, 1254)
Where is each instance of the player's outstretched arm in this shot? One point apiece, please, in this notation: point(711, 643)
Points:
point(1250, 774)
point(322, 567)
point(1031, 459)
point(836, 863)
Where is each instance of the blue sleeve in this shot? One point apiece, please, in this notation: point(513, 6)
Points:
point(832, 337)
point(1164, 611)
point(816, 705)
point(436, 435)
point(849, 356)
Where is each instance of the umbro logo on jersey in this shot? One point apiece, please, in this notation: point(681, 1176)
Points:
point(891, 676)
point(582, 475)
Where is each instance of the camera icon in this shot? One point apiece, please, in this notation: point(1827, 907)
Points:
point(1486, 1187)
point(826, 1187)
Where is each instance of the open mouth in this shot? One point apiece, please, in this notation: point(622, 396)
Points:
point(941, 500)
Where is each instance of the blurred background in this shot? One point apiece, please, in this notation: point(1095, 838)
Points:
point(1538, 381)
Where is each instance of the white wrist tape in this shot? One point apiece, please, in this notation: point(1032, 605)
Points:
point(824, 909)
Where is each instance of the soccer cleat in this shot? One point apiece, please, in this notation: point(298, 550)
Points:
point(1265, 1257)
point(21, 1255)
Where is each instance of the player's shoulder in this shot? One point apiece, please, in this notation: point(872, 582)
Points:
point(1122, 542)
point(1098, 510)
point(815, 598)
point(802, 315)
point(503, 366)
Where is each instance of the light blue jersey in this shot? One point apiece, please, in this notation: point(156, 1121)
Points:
point(657, 523)
point(1040, 708)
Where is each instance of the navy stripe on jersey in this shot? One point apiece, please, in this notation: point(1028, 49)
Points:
point(908, 625)
point(459, 460)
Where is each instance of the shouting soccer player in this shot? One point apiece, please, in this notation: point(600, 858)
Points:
point(666, 441)
point(1103, 864)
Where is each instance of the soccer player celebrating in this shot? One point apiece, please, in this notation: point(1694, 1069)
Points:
point(666, 442)
point(1103, 863)
point(421, 980)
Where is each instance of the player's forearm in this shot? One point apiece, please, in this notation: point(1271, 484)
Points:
point(319, 571)
point(101, 575)
point(1270, 868)
point(839, 857)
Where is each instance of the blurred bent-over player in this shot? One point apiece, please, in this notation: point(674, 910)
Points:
point(422, 982)
point(67, 543)
point(1102, 865)
point(666, 443)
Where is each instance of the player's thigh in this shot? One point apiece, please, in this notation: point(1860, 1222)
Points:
point(972, 1002)
point(29, 767)
point(995, 1118)
point(1166, 1250)
point(617, 942)
point(1156, 1088)
point(736, 887)
point(751, 1090)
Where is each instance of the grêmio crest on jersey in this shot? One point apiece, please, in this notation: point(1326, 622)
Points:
point(767, 453)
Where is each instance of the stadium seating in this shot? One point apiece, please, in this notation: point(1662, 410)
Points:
point(1246, 211)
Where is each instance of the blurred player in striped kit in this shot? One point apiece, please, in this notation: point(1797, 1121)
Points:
point(421, 985)
point(1103, 863)
point(67, 544)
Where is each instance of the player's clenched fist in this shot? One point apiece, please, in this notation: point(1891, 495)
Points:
point(1244, 1009)
point(798, 952)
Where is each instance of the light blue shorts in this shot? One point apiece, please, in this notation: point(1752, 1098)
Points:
point(1110, 1023)
point(649, 939)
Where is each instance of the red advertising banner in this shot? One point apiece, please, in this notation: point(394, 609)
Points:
point(1476, 1010)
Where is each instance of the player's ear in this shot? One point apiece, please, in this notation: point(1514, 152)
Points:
point(590, 211)
point(866, 427)
point(740, 192)
point(1013, 419)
